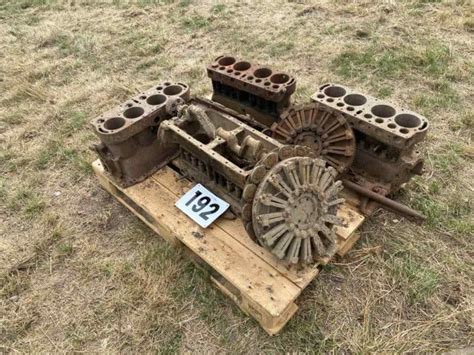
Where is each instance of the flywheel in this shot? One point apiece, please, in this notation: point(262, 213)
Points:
point(291, 210)
point(326, 132)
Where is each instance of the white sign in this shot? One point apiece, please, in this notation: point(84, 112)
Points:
point(201, 205)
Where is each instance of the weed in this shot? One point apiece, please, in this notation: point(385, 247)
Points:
point(65, 249)
point(384, 92)
point(218, 8)
point(195, 22)
point(385, 63)
point(56, 152)
point(185, 3)
point(71, 122)
point(7, 160)
point(446, 160)
point(27, 201)
point(75, 45)
point(433, 60)
point(417, 279)
point(280, 48)
point(469, 25)
point(3, 189)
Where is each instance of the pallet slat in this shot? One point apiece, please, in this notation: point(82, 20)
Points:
point(251, 276)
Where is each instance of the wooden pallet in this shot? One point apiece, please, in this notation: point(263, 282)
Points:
point(251, 276)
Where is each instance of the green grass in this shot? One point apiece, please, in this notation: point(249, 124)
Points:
point(414, 278)
point(218, 8)
point(442, 96)
point(433, 60)
point(65, 249)
point(28, 202)
point(446, 160)
point(56, 153)
point(117, 286)
point(195, 22)
point(71, 45)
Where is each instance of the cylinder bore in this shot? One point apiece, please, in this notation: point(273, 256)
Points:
point(335, 91)
point(355, 99)
point(262, 73)
point(225, 61)
point(114, 123)
point(383, 111)
point(241, 66)
point(133, 112)
point(279, 78)
point(407, 120)
point(172, 90)
point(156, 99)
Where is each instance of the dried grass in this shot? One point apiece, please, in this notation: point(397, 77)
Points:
point(79, 273)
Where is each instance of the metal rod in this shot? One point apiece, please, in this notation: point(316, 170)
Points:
point(394, 206)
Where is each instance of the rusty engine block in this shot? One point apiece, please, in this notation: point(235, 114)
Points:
point(250, 89)
point(369, 141)
point(129, 144)
point(277, 164)
point(386, 137)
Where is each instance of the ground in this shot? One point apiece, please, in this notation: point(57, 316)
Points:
point(78, 272)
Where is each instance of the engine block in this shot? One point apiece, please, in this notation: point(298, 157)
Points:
point(275, 163)
point(251, 89)
point(129, 145)
point(386, 136)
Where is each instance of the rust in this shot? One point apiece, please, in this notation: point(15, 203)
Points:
point(386, 136)
point(129, 145)
point(278, 165)
point(248, 88)
point(245, 167)
point(394, 206)
point(324, 131)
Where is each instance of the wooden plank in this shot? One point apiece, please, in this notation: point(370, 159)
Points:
point(266, 290)
point(236, 230)
point(351, 219)
point(139, 210)
point(260, 284)
point(299, 276)
point(344, 248)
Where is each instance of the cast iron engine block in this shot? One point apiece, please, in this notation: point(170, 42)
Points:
point(129, 145)
point(277, 164)
point(386, 136)
point(250, 89)
point(367, 140)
